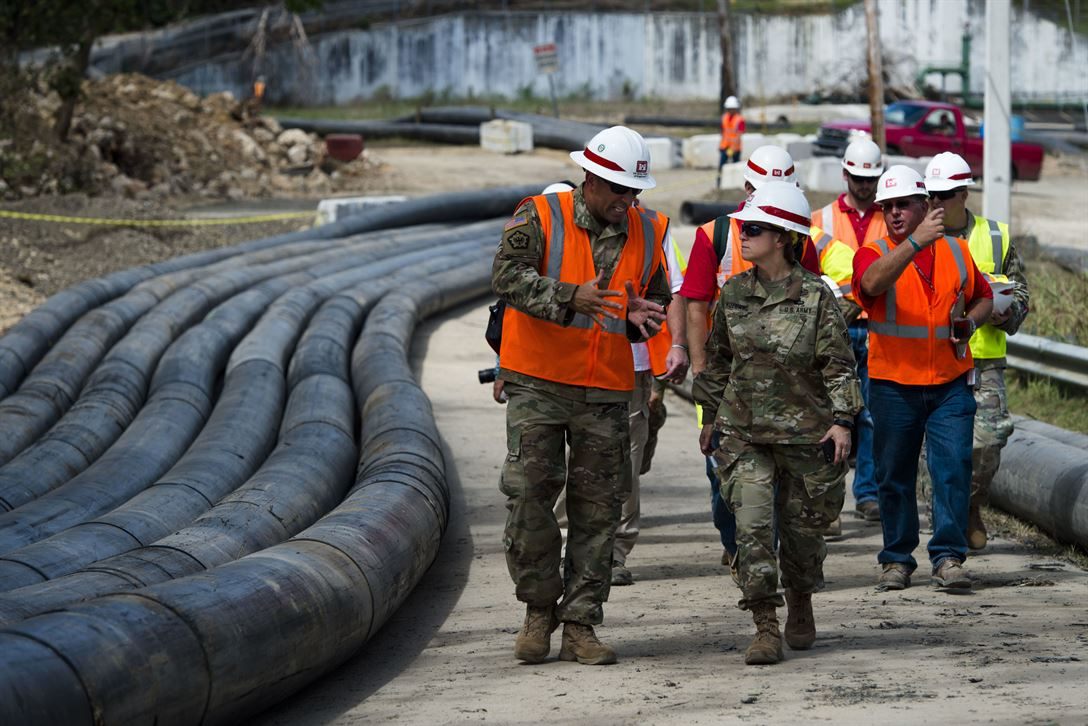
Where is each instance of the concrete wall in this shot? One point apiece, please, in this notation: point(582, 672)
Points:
point(660, 55)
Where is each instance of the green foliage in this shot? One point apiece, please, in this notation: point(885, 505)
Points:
point(1041, 399)
point(1059, 302)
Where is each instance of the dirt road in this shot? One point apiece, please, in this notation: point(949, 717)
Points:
point(1013, 651)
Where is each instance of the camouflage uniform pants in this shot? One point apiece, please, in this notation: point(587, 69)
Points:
point(993, 426)
point(596, 476)
point(810, 496)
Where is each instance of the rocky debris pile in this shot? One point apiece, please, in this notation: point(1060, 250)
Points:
point(142, 138)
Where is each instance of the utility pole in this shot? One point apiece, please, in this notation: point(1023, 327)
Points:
point(996, 146)
point(876, 74)
point(725, 28)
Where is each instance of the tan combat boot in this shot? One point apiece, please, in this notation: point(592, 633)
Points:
point(535, 638)
point(580, 643)
point(766, 647)
point(800, 625)
point(976, 528)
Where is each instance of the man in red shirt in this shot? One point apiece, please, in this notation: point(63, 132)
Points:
point(925, 297)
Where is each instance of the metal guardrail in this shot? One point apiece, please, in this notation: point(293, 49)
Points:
point(1061, 362)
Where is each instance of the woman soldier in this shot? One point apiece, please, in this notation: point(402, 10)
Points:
point(780, 385)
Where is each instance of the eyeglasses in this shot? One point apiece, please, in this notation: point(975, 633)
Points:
point(621, 189)
point(751, 229)
point(944, 195)
point(862, 179)
point(897, 204)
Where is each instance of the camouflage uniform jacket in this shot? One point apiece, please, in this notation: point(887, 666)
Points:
point(516, 278)
point(779, 364)
point(1013, 268)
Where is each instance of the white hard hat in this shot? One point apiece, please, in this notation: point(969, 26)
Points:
point(900, 181)
point(731, 102)
point(863, 158)
point(769, 163)
point(557, 187)
point(947, 171)
point(618, 155)
point(777, 203)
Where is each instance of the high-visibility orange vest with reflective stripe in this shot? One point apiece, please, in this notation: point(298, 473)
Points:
point(731, 131)
point(583, 353)
point(909, 333)
point(836, 222)
point(660, 344)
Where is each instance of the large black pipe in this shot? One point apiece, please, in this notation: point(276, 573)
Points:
point(24, 345)
point(219, 646)
point(217, 537)
point(698, 213)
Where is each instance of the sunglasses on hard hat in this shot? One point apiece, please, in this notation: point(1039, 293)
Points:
point(621, 189)
point(751, 229)
point(944, 195)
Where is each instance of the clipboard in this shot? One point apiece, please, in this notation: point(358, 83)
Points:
point(959, 306)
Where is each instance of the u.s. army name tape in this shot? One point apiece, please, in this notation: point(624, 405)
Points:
point(62, 219)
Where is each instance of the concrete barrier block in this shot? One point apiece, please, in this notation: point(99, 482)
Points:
point(506, 137)
point(662, 155)
point(820, 174)
point(732, 177)
point(799, 150)
point(701, 151)
point(333, 210)
point(751, 142)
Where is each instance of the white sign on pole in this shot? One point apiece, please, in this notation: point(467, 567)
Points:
point(547, 58)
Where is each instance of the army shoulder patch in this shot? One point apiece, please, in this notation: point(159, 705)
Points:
point(516, 222)
point(517, 240)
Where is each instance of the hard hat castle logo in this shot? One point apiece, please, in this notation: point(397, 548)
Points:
point(642, 167)
point(889, 183)
point(776, 172)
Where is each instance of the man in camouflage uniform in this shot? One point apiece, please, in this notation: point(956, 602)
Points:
point(780, 380)
point(997, 258)
point(545, 416)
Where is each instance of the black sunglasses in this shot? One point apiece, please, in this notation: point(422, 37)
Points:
point(621, 189)
point(945, 195)
point(897, 204)
point(862, 179)
point(751, 229)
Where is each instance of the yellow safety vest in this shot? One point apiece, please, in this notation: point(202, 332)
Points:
point(989, 245)
point(836, 260)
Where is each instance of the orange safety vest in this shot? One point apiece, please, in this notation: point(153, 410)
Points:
point(909, 331)
point(841, 228)
point(584, 353)
point(731, 131)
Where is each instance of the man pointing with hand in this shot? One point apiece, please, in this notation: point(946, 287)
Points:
point(583, 276)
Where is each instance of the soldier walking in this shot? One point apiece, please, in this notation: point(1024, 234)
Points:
point(948, 177)
point(780, 388)
point(582, 275)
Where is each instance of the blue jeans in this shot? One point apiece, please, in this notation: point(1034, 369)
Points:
point(945, 414)
point(724, 157)
point(864, 468)
point(724, 521)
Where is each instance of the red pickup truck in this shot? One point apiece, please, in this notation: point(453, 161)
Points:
point(925, 128)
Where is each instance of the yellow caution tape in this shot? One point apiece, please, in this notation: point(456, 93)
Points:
point(155, 222)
